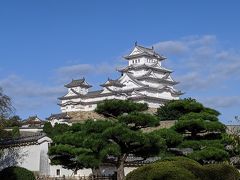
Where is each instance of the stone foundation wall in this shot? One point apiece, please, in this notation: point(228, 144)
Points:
point(80, 116)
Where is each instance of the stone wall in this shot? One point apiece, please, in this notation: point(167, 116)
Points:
point(163, 124)
point(80, 116)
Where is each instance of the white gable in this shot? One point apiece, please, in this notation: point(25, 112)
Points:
point(135, 51)
point(128, 82)
point(105, 90)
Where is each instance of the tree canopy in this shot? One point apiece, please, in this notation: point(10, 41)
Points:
point(93, 142)
point(174, 109)
point(58, 129)
point(180, 168)
point(112, 140)
point(114, 107)
point(5, 104)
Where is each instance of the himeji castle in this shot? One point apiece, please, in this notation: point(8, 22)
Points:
point(144, 80)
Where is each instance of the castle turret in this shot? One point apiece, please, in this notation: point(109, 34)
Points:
point(143, 55)
point(79, 86)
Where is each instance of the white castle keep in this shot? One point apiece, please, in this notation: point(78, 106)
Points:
point(144, 80)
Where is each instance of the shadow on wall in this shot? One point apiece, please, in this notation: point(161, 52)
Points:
point(12, 157)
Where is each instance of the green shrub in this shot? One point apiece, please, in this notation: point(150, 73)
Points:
point(221, 172)
point(200, 144)
point(15, 132)
point(171, 137)
point(201, 115)
point(174, 109)
point(161, 171)
point(138, 120)
point(188, 164)
point(16, 173)
point(209, 154)
point(181, 168)
point(114, 108)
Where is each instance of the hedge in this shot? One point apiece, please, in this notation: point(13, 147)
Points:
point(16, 173)
point(180, 168)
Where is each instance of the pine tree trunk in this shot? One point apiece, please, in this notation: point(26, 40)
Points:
point(96, 172)
point(120, 167)
point(193, 134)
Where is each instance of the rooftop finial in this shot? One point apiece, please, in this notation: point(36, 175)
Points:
point(152, 48)
point(136, 43)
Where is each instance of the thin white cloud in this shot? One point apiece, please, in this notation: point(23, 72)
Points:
point(171, 47)
point(14, 84)
point(66, 73)
point(200, 61)
point(222, 101)
point(30, 95)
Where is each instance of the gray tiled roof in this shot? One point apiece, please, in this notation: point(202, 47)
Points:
point(90, 94)
point(146, 52)
point(59, 116)
point(78, 82)
point(157, 80)
point(144, 66)
point(22, 140)
point(112, 82)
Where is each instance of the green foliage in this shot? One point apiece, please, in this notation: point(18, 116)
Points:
point(12, 121)
point(138, 120)
point(6, 107)
point(180, 168)
point(196, 123)
point(194, 126)
point(209, 154)
point(171, 137)
point(56, 130)
point(174, 109)
point(159, 171)
point(221, 172)
point(15, 132)
point(47, 128)
point(16, 173)
point(5, 134)
point(211, 111)
point(92, 142)
point(200, 144)
point(167, 169)
point(201, 115)
point(114, 108)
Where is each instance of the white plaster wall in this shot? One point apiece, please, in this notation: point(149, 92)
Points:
point(26, 156)
point(26, 129)
point(68, 172)
point(107, 170)
point(128, 170)
point(137, 73)
point(59, 121)
point(150, 83)
point(110, 170)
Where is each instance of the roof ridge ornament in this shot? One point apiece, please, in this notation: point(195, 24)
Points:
point(135, 43)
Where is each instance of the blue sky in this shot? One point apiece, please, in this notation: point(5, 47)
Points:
point(44, 44)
